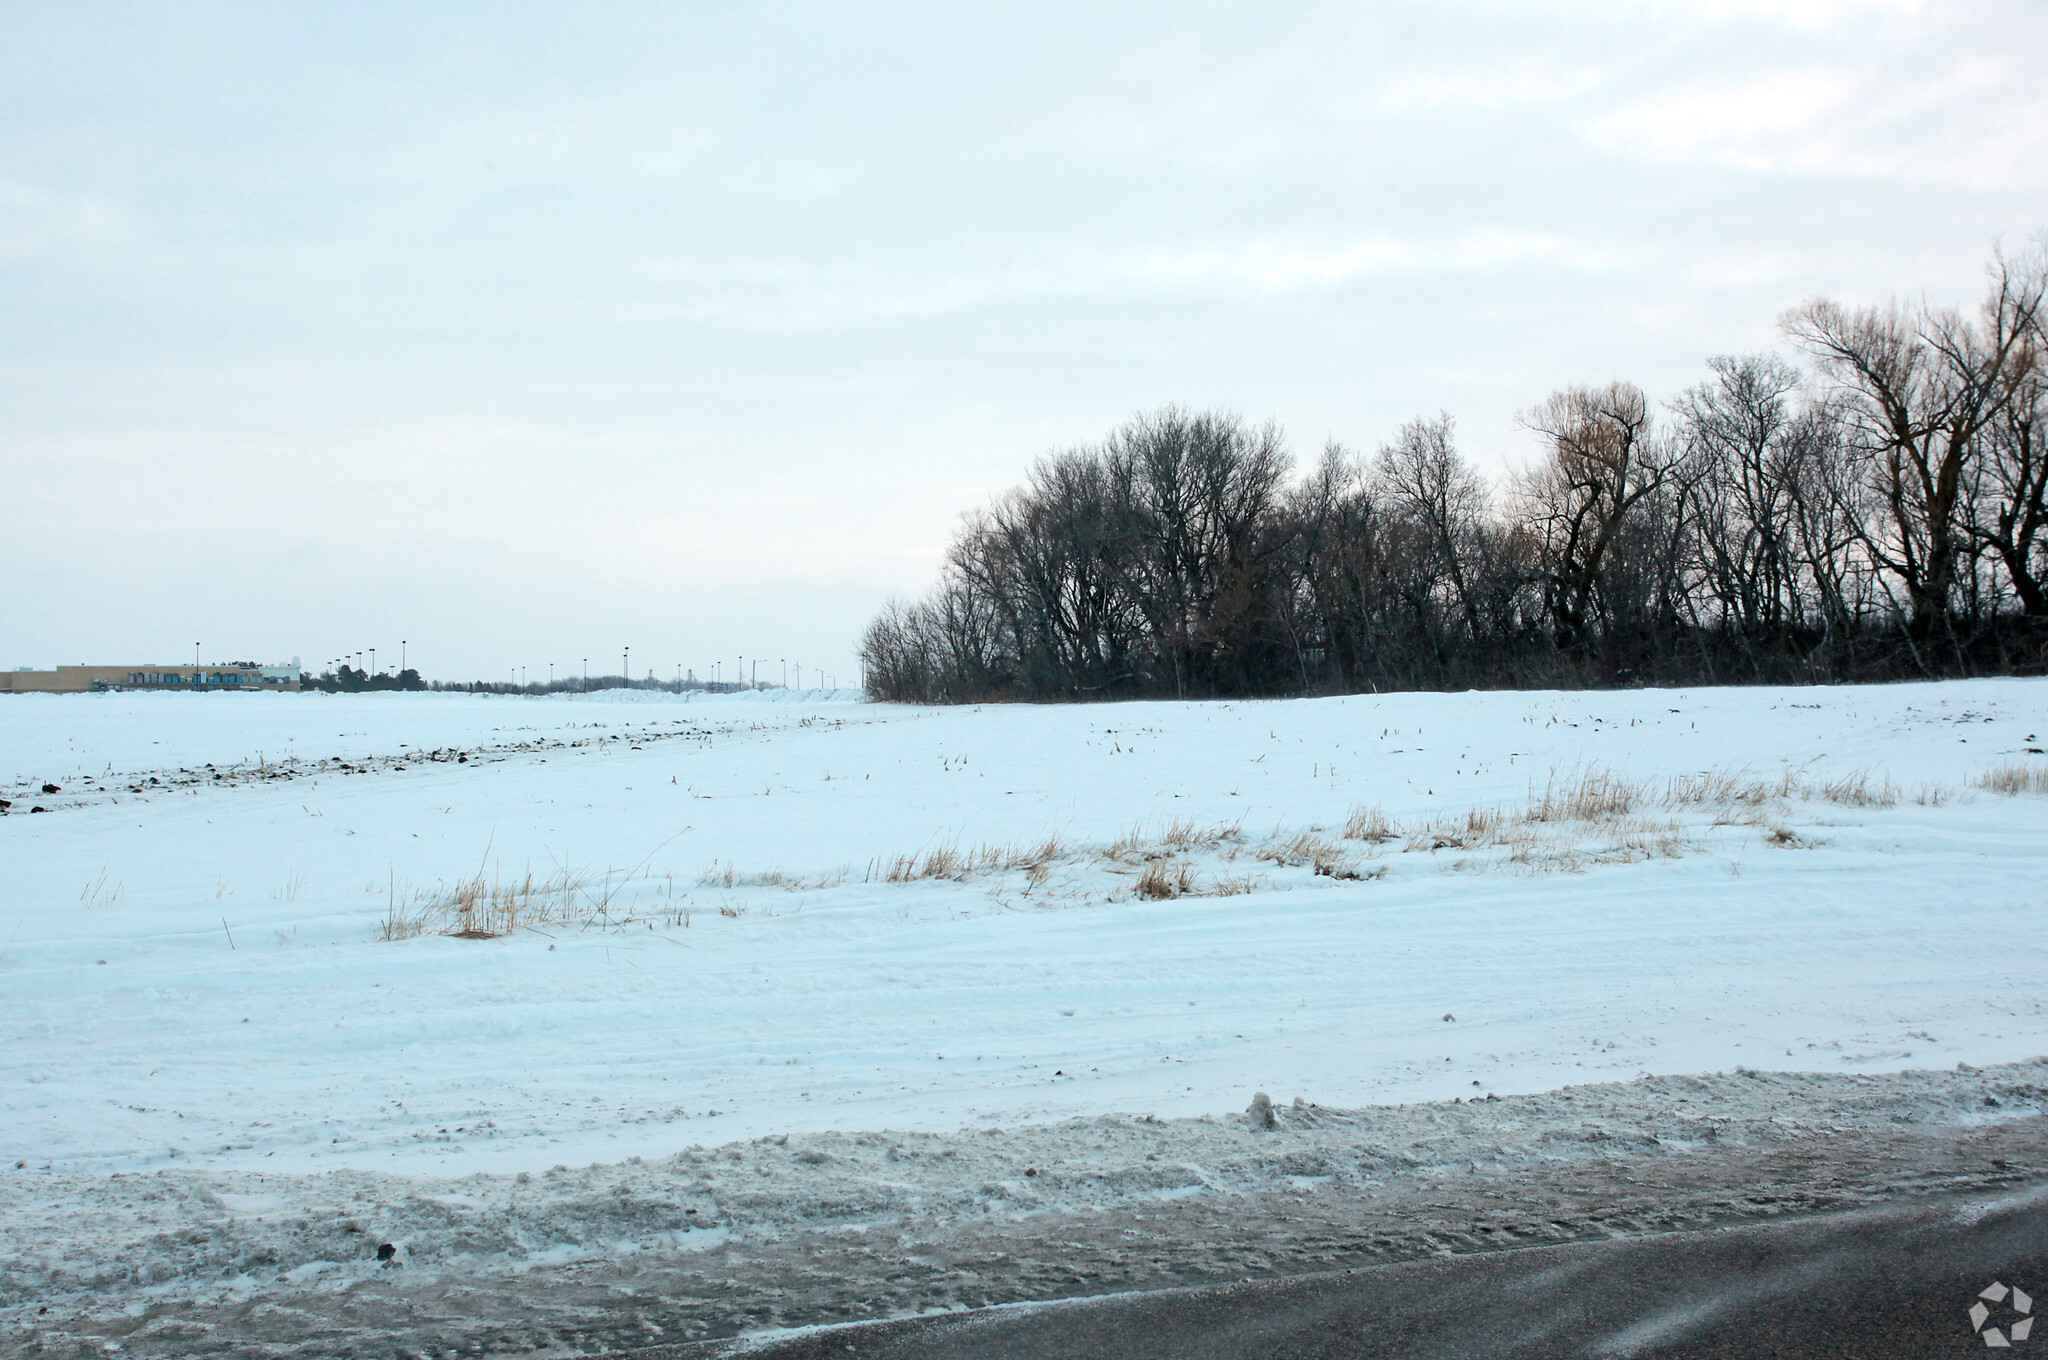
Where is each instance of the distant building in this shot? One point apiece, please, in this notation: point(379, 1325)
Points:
point(232, 675)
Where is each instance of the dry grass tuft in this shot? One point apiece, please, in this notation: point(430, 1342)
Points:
point(941, 861)
point(1578, 817)
point(1593, 815)
point(1048, 851)
point(1587, 795)
point(1165, 879)
point(1858, 788)
point(1369, 824)
point(2013, 779)
point(480, 908)
point(1126, 846)
point(1301, 850)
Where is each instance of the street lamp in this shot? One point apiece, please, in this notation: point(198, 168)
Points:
point(626, 665)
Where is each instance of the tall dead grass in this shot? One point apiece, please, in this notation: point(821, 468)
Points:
point(1592, 814)
point(948, 861)
point(483, 908)
point(1576, 818)
point(2013, 779)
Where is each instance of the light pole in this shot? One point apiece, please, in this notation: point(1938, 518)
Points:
point(785, 671)
point(401, 656)
point(373, 661)
point(551, 675)
point(626, 665)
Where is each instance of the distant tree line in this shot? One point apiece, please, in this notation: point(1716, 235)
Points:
point(351, 680)
point(585, 684)
point(1882, 513)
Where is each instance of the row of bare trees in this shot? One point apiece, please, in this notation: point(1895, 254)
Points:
point(1881, 514)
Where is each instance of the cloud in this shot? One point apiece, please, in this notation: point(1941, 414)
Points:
point(1810, 14)
point(1782, 120)
point(1974, 121)
point(1277, 266)
point(39, 222)
point(1486, 87)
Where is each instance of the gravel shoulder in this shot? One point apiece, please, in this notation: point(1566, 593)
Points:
point(795, 1230)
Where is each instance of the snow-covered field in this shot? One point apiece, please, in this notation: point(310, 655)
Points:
point(225, 950)
point(196, 977)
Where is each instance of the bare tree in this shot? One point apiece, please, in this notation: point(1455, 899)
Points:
point(1601, 466)
point(1425, 475)
point(1924, 386)
point(2013, 505)
point(1888, 521)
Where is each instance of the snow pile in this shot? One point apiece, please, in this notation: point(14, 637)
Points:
point(199, 1235)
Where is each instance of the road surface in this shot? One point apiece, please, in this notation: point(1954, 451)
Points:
point(1898, 1281)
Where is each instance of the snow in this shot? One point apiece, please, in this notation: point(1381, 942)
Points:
point(194, 975)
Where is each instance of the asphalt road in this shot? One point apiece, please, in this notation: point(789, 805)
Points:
point(1892, 1282)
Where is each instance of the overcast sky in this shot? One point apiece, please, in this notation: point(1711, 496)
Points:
point(526, 334)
